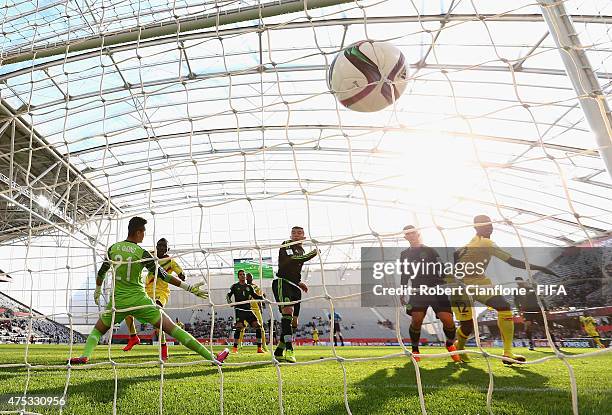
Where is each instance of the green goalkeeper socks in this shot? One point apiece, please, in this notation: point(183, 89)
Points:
point(92, 342)
point(190, 342)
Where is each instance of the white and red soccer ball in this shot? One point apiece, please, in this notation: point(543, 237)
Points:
point(368, 76)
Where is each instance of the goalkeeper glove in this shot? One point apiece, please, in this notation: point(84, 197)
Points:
point(97, 294)
point(195, 289)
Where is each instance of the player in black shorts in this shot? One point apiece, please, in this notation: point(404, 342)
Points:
point(244, 315)
point(288, 287)
point(528, 306)
point(337, 329)
point(431, 276)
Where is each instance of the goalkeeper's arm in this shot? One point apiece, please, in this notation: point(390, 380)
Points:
point(103, 269)
point(195, 289)
point(100, 277)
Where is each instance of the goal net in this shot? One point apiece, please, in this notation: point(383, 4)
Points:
point(214, 120)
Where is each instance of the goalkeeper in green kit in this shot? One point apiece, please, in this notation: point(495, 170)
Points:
point(128, 259)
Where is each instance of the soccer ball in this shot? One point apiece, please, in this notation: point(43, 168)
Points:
point(368, 76)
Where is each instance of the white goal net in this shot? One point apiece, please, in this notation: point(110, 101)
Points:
point(214, 121)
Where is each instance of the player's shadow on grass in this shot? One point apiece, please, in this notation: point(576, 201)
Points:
point(395, 388)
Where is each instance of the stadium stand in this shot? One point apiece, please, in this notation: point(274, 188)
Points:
point(14, 323)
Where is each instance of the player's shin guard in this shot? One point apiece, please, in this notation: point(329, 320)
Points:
point(131, 325)
point(450, 333)
point(415, 337)
point(505, 322)
point(263, 336)
point(190, 342)
point(237, 337)
point(461, 338)
point(287, 331)
point(240, 338)
point(293, 328)
point(258, 336)
point(92, 342)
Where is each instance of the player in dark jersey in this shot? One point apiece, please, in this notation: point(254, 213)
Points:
point(430, 276)
point(337, 329)
point(528, 306)
point(241, 291)
point(256, 308)
point(288, 287)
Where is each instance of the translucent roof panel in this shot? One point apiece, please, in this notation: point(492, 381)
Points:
point(160, 109)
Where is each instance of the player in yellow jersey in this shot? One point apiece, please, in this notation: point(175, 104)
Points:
point(478, 252)
point(158, 291)
point(590, 327)
point(256, 308)
point(128, 258)
point(315, 337)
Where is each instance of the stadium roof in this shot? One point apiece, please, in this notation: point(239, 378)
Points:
point(62, 196)
point(128, 107)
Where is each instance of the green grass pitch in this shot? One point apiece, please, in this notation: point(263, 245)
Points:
point(374, 387)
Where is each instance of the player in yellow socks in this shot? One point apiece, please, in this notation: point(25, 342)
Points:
point(476, 256)
point(256, 309)
point(159, 291)
point(590, 327)
point(128, 258)
point(315, 337)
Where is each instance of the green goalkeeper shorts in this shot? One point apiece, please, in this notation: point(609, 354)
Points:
point(148, 314)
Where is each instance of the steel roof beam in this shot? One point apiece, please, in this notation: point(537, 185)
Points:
point(120, 42)
point(209, 20)
point(510, 140)
point(336, 184)
point(386, 203)
point(584, 79)
point(171, 28)
point(6, 110)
